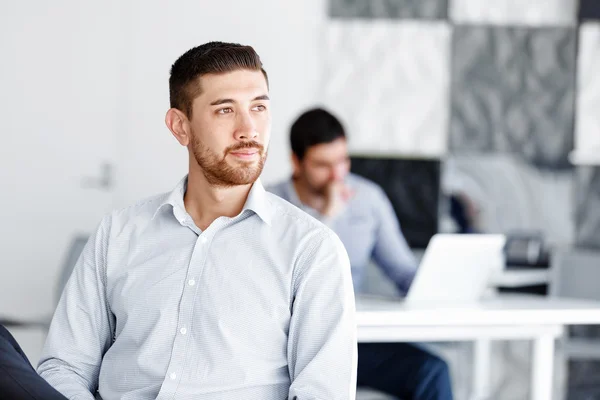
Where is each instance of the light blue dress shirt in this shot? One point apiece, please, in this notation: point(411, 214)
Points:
point(258, 306)
point(369, 229)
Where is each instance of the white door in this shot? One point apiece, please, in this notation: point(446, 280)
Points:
point(60, 80)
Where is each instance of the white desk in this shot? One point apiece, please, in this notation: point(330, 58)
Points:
point(536, 318)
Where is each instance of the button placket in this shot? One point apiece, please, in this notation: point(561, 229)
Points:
point(180, 345)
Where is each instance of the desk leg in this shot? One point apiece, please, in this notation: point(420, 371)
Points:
point(482, 358)
point(543, 368)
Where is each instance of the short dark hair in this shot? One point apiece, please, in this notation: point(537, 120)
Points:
point(209, 58)
point(313, 127)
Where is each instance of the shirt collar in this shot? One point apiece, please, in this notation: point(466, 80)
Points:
point(174, 198)
point(257, 201)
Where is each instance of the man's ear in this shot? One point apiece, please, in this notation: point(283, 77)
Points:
point(179, 125)
point(295, 164)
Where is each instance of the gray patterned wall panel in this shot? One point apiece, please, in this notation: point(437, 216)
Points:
point(587, 121)
point(587, 208)
point(389, 9)
point(514, 12)
point(389, 82)
point(513, 91)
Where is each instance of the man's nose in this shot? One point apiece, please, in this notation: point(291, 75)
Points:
point(245, 127)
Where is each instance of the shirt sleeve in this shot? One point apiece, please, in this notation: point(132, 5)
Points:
point(322, 348)
point(391, 251)
point(81, 330)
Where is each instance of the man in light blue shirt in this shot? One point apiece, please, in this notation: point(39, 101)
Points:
point(361, 214)
point(217, 290)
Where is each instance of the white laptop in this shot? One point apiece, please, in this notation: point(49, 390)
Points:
point(457, 268)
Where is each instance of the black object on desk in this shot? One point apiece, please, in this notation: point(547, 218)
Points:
point(413, 187)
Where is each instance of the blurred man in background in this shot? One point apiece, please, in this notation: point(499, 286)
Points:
point(361, 214)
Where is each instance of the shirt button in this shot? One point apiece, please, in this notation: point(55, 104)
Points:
point(191, 282)
point(203, 239)
point(173, 375)
point(183, 331)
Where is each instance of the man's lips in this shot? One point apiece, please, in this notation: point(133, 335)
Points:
point(246, 153)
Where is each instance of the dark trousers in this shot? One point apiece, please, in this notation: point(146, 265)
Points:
point(403, 370)
point(18, 379)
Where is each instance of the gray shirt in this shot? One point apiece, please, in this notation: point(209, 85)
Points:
point(258, 306)
point(369, 229)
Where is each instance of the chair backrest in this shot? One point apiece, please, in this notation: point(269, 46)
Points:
point(73, 252)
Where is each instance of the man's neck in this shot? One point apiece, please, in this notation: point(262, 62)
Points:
point(307, 196)
point(205, 202)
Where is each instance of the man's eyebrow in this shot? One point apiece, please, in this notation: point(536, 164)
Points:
point(224, 101)
point(221, 101)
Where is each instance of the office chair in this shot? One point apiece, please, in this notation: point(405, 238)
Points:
point(70, 259)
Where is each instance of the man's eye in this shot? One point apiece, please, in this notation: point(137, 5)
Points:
point(260, 107)
point(224, 110)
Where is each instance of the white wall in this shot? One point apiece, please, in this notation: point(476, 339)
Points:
point(287, 35)
point(58, 80)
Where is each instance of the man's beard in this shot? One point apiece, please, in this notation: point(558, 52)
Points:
point(218, 172)
point(319, 190)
